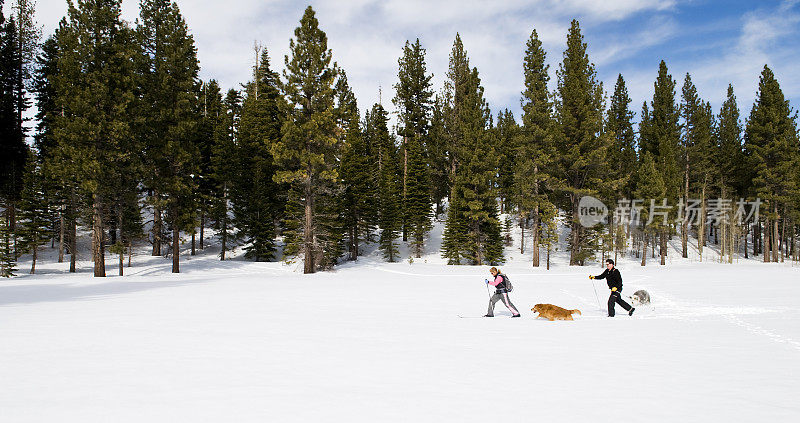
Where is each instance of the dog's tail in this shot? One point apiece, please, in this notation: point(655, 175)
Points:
point(575, 311)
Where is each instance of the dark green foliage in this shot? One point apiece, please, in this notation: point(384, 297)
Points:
point(257, 199)
point(94, 96)
point(358, 175)
point(34, 210)
point(309, 148)
point(771, 142)
point(506, 135)
point(390, 187)
point(436, 150)
point(418, 200)
point(223, 118)
point(729, 156)
point(13, 103)
point(169, 69)
point(8, 261)
point(473, 230)
point(535, 148)
point(664, 132)
point(622, 154)
point(413, 100)
point(582, 147)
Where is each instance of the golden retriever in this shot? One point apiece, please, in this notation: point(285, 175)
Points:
point(553, 312)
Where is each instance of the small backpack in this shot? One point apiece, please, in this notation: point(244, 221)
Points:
point(509, 286)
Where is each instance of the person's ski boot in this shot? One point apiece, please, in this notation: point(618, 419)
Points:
point(488, 315)
point(630, 312)
point(516, 315)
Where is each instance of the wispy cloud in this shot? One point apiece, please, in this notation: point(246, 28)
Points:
point(367, 36)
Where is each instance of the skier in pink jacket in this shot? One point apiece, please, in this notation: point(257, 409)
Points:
point(500, 283)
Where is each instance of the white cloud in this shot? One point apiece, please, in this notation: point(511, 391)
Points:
point(367, 37)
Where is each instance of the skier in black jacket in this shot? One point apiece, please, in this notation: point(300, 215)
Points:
point(614, 280)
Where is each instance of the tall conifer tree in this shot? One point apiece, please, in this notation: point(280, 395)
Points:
point(535, 153)
point(169, 68)
point(413, 99)
point(94, 94)
point(257, 198)
point(308, 150)
point(771, 141)
point(359, 205)
point(582, 146)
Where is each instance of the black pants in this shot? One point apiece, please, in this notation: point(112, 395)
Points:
point(615, 297)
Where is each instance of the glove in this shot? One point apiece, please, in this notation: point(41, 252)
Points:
point(614, 289)
point(591, 277)
point(487, 281)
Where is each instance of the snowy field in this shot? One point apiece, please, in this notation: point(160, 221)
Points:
point(376, 342)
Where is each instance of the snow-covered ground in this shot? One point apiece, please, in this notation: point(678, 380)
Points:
point(239, 341)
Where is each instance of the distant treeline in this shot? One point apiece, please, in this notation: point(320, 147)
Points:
point(130, 144)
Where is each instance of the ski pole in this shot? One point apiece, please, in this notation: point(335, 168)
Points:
point(596, 296)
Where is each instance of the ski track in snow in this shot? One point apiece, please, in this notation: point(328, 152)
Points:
point(758, 330)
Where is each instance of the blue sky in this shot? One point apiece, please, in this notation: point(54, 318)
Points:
point(718, 42)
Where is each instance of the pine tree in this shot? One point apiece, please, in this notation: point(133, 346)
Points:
point(473, 229)
point(34, 210)
point(8, 262)
point(418, 199)
point(257, 199)
point(390, 186)
point(224, 120)
point(730, 154)
point(436, 150)
point(61, 185)
point(359, 205)
point(94, 93)
point(662, 140)
point(535, 147)
point(413, 99)
point(728, 160)
point(621, 156)
point(13, 103)
point(582, 148)
point(771, 141)
point(650, 185)
point(169, 68)
point(308, 150)
point(506, 136)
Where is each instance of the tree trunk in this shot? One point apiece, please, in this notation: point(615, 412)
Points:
point(121, 241)
point(156, 231)
point(536, 235)
point(61, 235)
point(575, 247)
point(775, 235)
point(202, 227)
point(405, 184)
point(767, 242)
point(522, 237)
point(746, 232)
point(176, 257)
point(12, 227)
point(644, 249)
point(701, 230)
point(98, 249)
point(33, 261)
point(308, 233)
point(224, 225)
point(193, 242)
point(73, 244)
point(664, 246)
point(548, 256)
